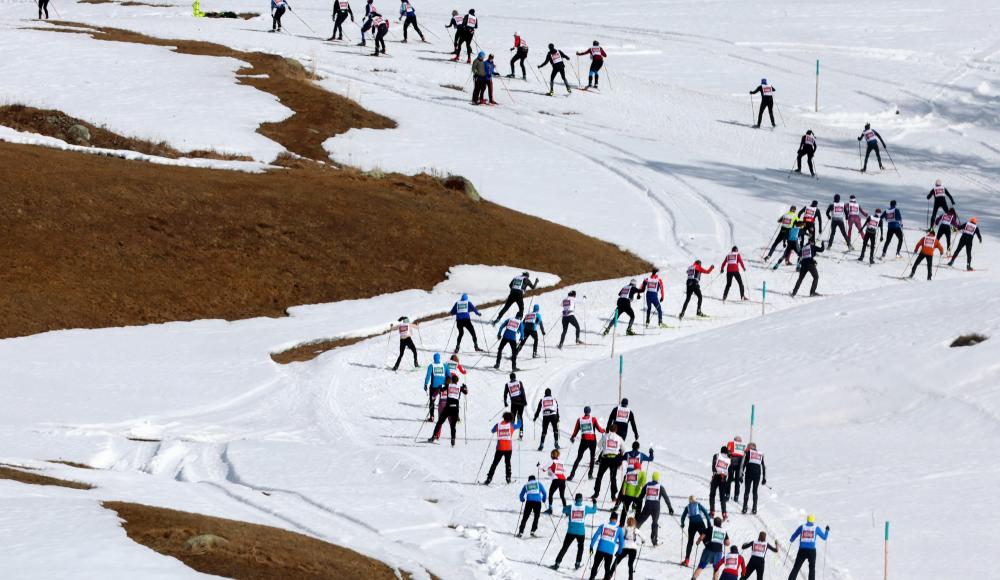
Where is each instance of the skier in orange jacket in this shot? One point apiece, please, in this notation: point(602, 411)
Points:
point(926, 246)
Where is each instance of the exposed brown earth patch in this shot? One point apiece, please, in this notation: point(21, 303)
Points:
point(57, 124)
point(318, 114)
point(33, 478)
point(71, 463)
point(108, 242)
point(241, 550)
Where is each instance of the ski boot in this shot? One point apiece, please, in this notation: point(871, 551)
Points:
point(629, 332)
point(702, 314)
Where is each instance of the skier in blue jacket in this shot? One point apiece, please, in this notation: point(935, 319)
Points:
point(407, 11)
point(698, 518)
point(532, 324)
point(807, 534)
point(894, 228)
point(793, 244)
point(577, 529)
point(463, 311)
point(609, 539)
point(533, 495)
point(511, 329)
point(434, 381)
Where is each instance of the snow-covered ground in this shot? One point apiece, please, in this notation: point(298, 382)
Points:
point(864, 413)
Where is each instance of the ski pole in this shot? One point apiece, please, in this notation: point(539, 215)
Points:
point(780, 116)
point(419, 336)
point(751, 109)
point(607, 72)
point(420, 430)
point(483, 462)
point(465, 419)
point(300, 20)
point(510, 96)
point(517, 523)
point(447, 342)
point(929, 212)
point(860, 161)
point(578, 81)
point(889, 155)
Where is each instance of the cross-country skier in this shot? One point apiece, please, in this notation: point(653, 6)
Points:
point(754, 474)
point(435, 379)
point(621, 417)
point(652, 494)
point(731, 566)
point(278, 8)
point(807, 534)
point(894, 228)
point(836, 212)
point(370, 14)
point(43, 6)
point(548, 407)
point(811, 215)
point(514, 390)
point(939, 193)
point(653, 287)
point(532, 324)
point(854, 214)
point(569, 317)
point(609, 458)
point(556, 469)
point(926, 246)
point(807, 148)
point(718, 484)
point(731, 264)
point(557, 59)
point(465, 33)
point(786, 220)
point(737, 449)
point(758, 552)
point(576, 529)
point(463, 311)
point(518, 286)
point(456, 23)
point(624, 306)
point(511, 330)
point(452, 394)
point(945, 223)
point(504, 431)
point(872, 224)
point(631, 541)
point(479, 80)
point(807, 265)
point(380, 28)
point(794, 244)
point(715, 540)
point(872, 138)
point(698, 519)
point(766, 101)
point(693, 288)
point(588, 428)
point(532, 496)
point(597, 56)
point(407, 11)
point(609, 539)
point(520, 50)
point(341, 10)
point(455, 367)
point(405, 328)
point(630, 495)
point(635, 458)
point(969, 229)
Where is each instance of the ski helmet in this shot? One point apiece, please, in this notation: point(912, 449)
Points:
point(811, 519)
point(586, 410)
point(815, 203)
point(724, 449)
point(763, 81)
point(548, 392)
point(735, 249)
point(472, 11)
point(852, 196)
point(552, 46)
point(465, 296)
point(892, 203)
point(532, 478)
point(656, 476)
point(596, 43)
point(572, 293)
point(525, 273)
point(868, 125)
point(836, 197)
point(513, 376)
point(656, 271)
point(938, 183)
point(537, 308)
point(973, 220)
point(809, 132)
point(734, 550)
point(404, 319)
point(437, 358)
point(579, 497)
point(625, 402)
point(635, 446)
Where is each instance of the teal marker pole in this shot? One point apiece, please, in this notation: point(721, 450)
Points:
point(753, 417)
point(817, 85)
point(621, 371)
point(614, 332)
point(763, 297)
point(885, 568)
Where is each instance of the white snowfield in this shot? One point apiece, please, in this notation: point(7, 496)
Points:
point(864, 413)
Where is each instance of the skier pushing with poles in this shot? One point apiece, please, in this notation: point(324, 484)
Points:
point(807, 148)
point(405, 328)
point(631, 546)
point(624, 306)
point(939, 193)
point(926, 246)
point(588, 428)
point(718, 483)
point(715, 539)
point(969, 229)
point(836, 212)
point(518, 286)
point(532, 495)
point(872, 224)
point(737, 449)
point(520, 50)
point(698, 519)
point(463, 311)
point(456, 23)
point(610, 457)
point(754, 473)
point(620, 418)
point(435, 380)
point(576, 529)
point(341, 10)
point(557, 471)
point(807, 535)
point(452, 395)
point(532, 324)
point(569, 317)
point(694, 273)
point(894, 227)
point(407, 11)
point(652, 494)
point(548, 406)
point(766, 101)
point(872, 138)
point(597, 56)
point(504, 431)
point(653, 287)
point(811, 215)
point(758, 552)
point(557, 59)
point(732, 264)
point(945, 223)
point(854, 213)
point(511, 330)
point(786, 220)
point(464, 35)
point(370, 14)
point(609, 539)
point(278, 8)
point(514, 390)
point(807, 265)
point(380, 27)
point(630, 495)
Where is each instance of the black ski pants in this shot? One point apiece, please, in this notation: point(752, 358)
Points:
point(530, 508)
point(406, 343)
point(804, 555)
point(807, 267)
point(720, 486)
point(808, 153)
point(730, 276)
point(651, 510)
point(557, 485)
point(450, 414)
point(380, 39)
point(965, 242)
point(607, 464)
point(463, 325)
point(338, 26)
point(868, 243)
point(693, 289)
point(629, 553)
point(873, 146)
point(755, 564)
point(766, 103)
point(930, 264)
point(585, 445)
point(515, 297)
point(695, 528)
point(838, 225)
point(552, 420)
point(513, 351)
point(497, 456)
point(752, 481)
point(519, 58)
point(530, 331)
point(568, 321)
point(567, 542)
point(558, 69)
point(605, 559)
point(781, 238)
point(893, 233)
point(411, 20)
